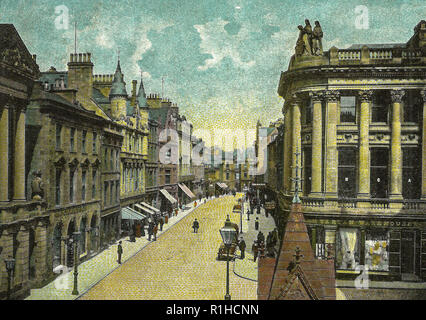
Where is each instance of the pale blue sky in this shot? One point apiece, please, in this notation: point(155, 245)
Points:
point(221, 59)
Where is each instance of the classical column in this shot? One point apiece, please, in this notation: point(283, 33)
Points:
point(331, 155)
point(296, 138)
point(287, 149)
point(396, 152)
point(19, 157)
point(364, 149)
point(4, 154)
point(40, 251)
point(423, 94)
point(316, 188)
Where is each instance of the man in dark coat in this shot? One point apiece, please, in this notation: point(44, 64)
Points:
point(255, 250)
point(119, 252)
point(248, 215)
point(150, 230)
point(260, 237)
point(154, 231)
point(161, 223)
point(242, 246)
point(195, 226)
point(256, 224)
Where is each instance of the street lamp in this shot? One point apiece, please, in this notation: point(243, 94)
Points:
point(10, 267)
point(76, 237)
point(228, 234)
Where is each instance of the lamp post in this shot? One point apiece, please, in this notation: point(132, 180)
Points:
point(228, 234)
point(10, 267)
point(76, 237)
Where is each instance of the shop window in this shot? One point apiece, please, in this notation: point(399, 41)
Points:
point(348, 248)
point(379, 172)
point(411, 173)
point(307, 170)
point(376, 250)
point(348, 109)
point(413, 103)
point(380, 106)
point(347, 173)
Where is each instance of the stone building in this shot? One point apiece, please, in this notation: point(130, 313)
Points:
point(357, 118)
point(23, 221)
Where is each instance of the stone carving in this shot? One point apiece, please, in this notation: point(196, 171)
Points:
point(365, 95)
point(37, 186)
point(397, 95)
point(309, 42)
point(332, 95)
point(316, 95)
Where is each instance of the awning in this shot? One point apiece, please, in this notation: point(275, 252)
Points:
point(222, 185)
point(128, 213)
point(144, 209)
point(225, 186)
point(150, 207)
point(168, 196)
point(186, 190)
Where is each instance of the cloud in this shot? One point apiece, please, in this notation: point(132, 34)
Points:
point(218, 43)
point(103, 40)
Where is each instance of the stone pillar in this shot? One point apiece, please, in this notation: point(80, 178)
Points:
point(396, 151)
point(287, 149)
point(40, 251)
point(19, 157)
point(316, 188)
point(364, 149)
point(6, 242)
point(296, 139)
point(22, 253)
point(423, 94)
point(331, 161)
point(4, 154)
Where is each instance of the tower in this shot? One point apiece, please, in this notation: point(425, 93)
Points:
point(118, 94)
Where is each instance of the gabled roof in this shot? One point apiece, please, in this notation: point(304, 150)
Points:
point(118, 87)
point(99, 97)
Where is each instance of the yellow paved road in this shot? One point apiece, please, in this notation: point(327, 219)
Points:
point(180, 264)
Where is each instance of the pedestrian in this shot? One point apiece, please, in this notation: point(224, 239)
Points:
point(242, 246)
point(166, 218)
point(256, 224)
point(262, 250)
point(195, 204)
point(143, 228)
point(176, 212)
point(255, 250)
point(155, 232)
point(195, 225)
point(260, 237)
point(119, 252)
point(150, 230)
point(248, 215)
point(258, 209)
point(161, 223)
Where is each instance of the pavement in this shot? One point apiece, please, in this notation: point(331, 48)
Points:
point(95, 269)
point(246, 268)
point(181, 264)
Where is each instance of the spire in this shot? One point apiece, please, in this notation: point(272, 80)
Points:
point(141, 98)
point(118, 87)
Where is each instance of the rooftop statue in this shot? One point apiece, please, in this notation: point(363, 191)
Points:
point(309, 42)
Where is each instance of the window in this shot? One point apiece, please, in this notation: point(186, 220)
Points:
point(83, 141)
point(83, 185)
point(111, 160)
point(309, 111)
point(411, 173)
point(380, 106)
point(348, 109)
point(111, 192)
point(167, 177)
point(117, 191)
point(413, 103)
point(94, 184)
point(72, 184)
point(94, 141)
point(379, 172)
point(347, 173)
point(376, 250)
point(72, 139)
point(307, 168)
point(105, 192)
point(348, 248)
point(58, 136)
point(227, 176)
point(117, 160)
point(106, 158)
point(58, 186)
point(136, 178)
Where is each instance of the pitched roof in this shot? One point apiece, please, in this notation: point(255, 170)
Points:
point(118, 87)
point(141, 98)
point(307, 277)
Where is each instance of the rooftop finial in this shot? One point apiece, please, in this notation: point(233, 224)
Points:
point(296, 180)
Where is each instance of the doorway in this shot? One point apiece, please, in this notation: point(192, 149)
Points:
point(408, 255)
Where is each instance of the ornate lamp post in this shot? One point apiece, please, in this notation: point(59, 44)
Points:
point(10, 267)
point(228, 234)
point(76, 237)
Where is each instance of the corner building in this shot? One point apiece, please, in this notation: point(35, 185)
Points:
point(357, 116)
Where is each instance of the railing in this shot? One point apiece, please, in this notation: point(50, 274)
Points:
point(313, 202)
point(347, 202)
point(379, 203)
point(413, 204)
point(349, 55)
point(381, 54)
point(411, 54)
